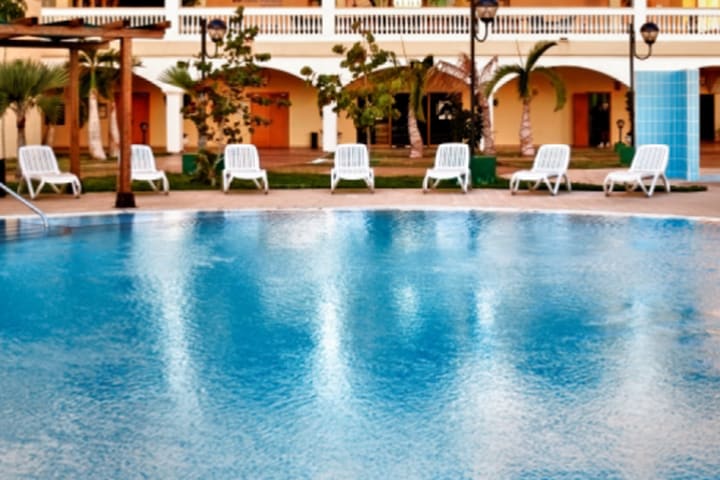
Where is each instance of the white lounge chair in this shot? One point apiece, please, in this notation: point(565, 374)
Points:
point(242, 161)
point(38, 163)
point(551, 162)
point(648, 163)
point(352, 162)
point(143, 168)
point(452, 160)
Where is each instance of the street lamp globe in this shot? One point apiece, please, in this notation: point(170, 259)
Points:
point(216, 29)
point(649, 32)
point(486, 10)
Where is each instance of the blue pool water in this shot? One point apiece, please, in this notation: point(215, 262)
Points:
point(361, 345)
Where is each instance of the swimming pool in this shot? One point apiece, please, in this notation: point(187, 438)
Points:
point(351, 344)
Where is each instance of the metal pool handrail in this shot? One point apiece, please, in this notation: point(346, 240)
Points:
point(32, 207)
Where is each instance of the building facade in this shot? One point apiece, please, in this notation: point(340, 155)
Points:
point(676, 100)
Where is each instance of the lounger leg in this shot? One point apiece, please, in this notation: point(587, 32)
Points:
point(608, 186)
point(666, 182)
point(643, 188)
point(553, 190)
point(567, 183)
point(556, 188)
point(513, 184)
point(265, 181)
point(371, 183)
point(166, 185)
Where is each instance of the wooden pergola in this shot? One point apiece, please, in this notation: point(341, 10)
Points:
point(75, 35)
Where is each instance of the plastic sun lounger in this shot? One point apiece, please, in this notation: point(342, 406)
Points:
point(143, 168)
point(452, 160)
point(352, 162)
point(648, 163)
point(38, 163)
point(242, 161)
point(551, 162)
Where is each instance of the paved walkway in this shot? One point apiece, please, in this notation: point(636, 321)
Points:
point(698, 204)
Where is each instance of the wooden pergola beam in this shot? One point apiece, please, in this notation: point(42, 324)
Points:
point(74, 35)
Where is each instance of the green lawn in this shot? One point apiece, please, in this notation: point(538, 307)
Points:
point(100, 176)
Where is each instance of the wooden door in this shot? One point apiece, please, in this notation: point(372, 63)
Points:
point(277, 134)
point(141, 118)
point(581, 120)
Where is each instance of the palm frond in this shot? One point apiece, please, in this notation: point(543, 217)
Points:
point(178, 76)
point(537, 51)
point(502, 72)
point(557, 83)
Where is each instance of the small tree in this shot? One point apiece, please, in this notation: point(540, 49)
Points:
point(370, 94)
point(24, 83)
point(220, 105)
point(12, 10)
point(525, 72)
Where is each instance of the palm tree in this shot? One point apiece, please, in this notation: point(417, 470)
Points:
point(24, 84)
point(461, 71)
point(52, 108)
point(107, 76)
point(416, 76)
point(525, 73)
point(91, 63)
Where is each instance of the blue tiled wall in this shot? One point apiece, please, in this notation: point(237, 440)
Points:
point(668, 111)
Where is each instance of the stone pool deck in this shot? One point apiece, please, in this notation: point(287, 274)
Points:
point(696, 204)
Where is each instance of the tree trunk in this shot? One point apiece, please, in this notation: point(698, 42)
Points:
point(49, 138)
point(20, 123)
point(487, 128)
point(416, 141)
point(526, 141)
point(114, 131)
point(94, 136)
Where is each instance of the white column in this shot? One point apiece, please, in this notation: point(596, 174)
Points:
point(329, 119)
point(172, 13)
point(173, 122)
point(328, 18)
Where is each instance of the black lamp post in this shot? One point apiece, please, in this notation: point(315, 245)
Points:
point(483, 10)
point(217, 29)
point(620, 123)
point(649, 32)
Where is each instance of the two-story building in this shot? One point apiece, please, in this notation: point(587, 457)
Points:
point(676, 86)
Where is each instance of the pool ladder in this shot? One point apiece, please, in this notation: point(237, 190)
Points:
point(32, 207)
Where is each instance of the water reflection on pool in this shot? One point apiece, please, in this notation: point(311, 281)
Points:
point(361, 344)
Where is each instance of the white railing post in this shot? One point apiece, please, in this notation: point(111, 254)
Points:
point(172, 13)
point(328, 18)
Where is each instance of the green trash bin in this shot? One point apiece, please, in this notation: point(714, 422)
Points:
point(189, 163)
point(626, 153)
point(483, 169)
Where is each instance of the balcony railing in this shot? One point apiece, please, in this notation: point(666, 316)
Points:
point(410, 24)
